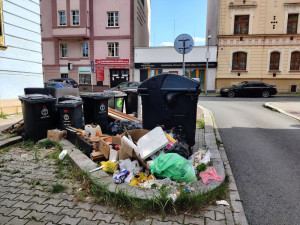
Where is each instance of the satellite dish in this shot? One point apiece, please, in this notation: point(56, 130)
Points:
point(184, 43)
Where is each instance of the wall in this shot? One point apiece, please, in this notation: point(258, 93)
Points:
point(142, 23)
point(21, 62)
point(212, 21)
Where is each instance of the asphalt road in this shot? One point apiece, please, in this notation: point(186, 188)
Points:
point(263, 148)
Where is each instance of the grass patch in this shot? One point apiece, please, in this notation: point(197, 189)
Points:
point(46, 144)
point(201, 123)
point(6, 149)
point(202, 167)
point(32, 218)
point(3, 116)
point(218, 142)
point(57, 188)
point(12, 135)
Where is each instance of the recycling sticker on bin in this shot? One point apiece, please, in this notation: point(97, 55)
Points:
point(119, 103)
point(45, 113)
point(66, 117)
point(102, 107)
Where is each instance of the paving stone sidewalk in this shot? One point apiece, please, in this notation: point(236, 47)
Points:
point(291, 109)
point(25, 197)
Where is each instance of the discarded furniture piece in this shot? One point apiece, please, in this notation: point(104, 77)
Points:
point(16, 127)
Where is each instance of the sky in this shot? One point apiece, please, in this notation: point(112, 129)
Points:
point(189, 16)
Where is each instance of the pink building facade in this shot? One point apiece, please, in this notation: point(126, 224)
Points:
point(92, 41)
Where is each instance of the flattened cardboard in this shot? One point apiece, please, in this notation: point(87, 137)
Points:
point(56, 135)
point(127, 152)
point(104, 147)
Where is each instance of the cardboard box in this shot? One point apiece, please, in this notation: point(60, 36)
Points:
point(127, 152)
point(104, 146)
point(56, 135)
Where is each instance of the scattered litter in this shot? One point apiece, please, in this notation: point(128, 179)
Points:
point(108, 166)
point(119, 177)
point(63, 154)
point(222, 202)
point(99, 168)
point(210, 174)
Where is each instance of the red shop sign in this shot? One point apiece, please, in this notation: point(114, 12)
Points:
point(99, 73)
point(112, 61)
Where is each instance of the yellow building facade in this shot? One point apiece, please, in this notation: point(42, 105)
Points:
point(259, 41)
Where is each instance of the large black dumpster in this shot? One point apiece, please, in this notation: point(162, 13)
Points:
point(131, 101)
point(170, 100)
point(39, 115)
point(95, 109)
point(116, 99)
point(70, 113)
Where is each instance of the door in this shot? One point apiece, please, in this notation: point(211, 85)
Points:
point(118, 76)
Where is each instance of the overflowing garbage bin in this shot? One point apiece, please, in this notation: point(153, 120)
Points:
point(131, 101)
point(116, 99)
point(170, 100)
point(70, 113)
point(95, 110)
point(69, 97)
point(39, 113)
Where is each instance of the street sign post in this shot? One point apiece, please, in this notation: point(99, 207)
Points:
point(183, 44)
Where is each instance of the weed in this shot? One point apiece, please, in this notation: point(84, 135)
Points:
point(57, 188)
point(218, 142)
point(32, 218)
point(12, 135)
point(46, 144)
point(37, 182)
point(201, 123)
point(6, 149)
point(3, 115)
point(210, 163)
point(29, 145)
point(202, 167)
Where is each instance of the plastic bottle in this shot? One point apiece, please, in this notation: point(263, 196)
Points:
point(63, 154)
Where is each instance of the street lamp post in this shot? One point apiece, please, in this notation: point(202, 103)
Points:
point(207, 58)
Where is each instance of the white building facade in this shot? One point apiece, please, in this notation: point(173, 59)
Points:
point(152, 61)
point(20, 51)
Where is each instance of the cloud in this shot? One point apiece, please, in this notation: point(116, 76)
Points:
point(199, 40)
point(167, 43)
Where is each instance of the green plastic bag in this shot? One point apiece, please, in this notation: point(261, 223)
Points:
point(175, 167)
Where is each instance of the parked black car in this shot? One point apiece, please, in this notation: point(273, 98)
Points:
point(69, 81)
point(249, 88)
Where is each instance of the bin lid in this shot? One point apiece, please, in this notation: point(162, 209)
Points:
point(69, 103)
point(37, 98)
point(95, 96)
point(71, 97)
point(130, 91)
point(170, 82)
point(114, 93)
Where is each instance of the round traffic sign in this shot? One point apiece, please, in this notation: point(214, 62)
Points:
point(184, 43)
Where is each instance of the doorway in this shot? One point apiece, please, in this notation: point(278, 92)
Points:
point(118, 76)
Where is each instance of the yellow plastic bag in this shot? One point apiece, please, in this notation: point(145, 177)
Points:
point(108, 166)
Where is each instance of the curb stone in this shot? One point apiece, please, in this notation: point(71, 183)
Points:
point(237, 216)
point(10, 141)
point(270, 106)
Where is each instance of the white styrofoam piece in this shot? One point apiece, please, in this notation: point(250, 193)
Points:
point(152, 142)
point(130, 144)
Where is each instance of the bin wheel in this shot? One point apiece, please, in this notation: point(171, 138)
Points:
point(24, 136)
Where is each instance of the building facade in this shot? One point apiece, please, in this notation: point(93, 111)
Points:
point(92, 41)
point(258, 40)
point(20, 51)
point(157, 60)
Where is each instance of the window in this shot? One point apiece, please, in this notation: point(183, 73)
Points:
point(63, 51)
point(85, 79)
point(75, 17)
point(113, 49)
point(85, 50)
point(199, 74)
point(241, 24)
point(295, 61)
point(239, 61)
point(62, 18)
point(274, 61)
point(1, 26)
point(292, 24)
point(113, 19)
point(64, 75)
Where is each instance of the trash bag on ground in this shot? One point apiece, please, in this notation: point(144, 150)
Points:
point(174, 166)
point(108, 166)
point(118, 126)
point(180, 149)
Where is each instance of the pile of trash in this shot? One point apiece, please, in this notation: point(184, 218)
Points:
point(156, 158)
